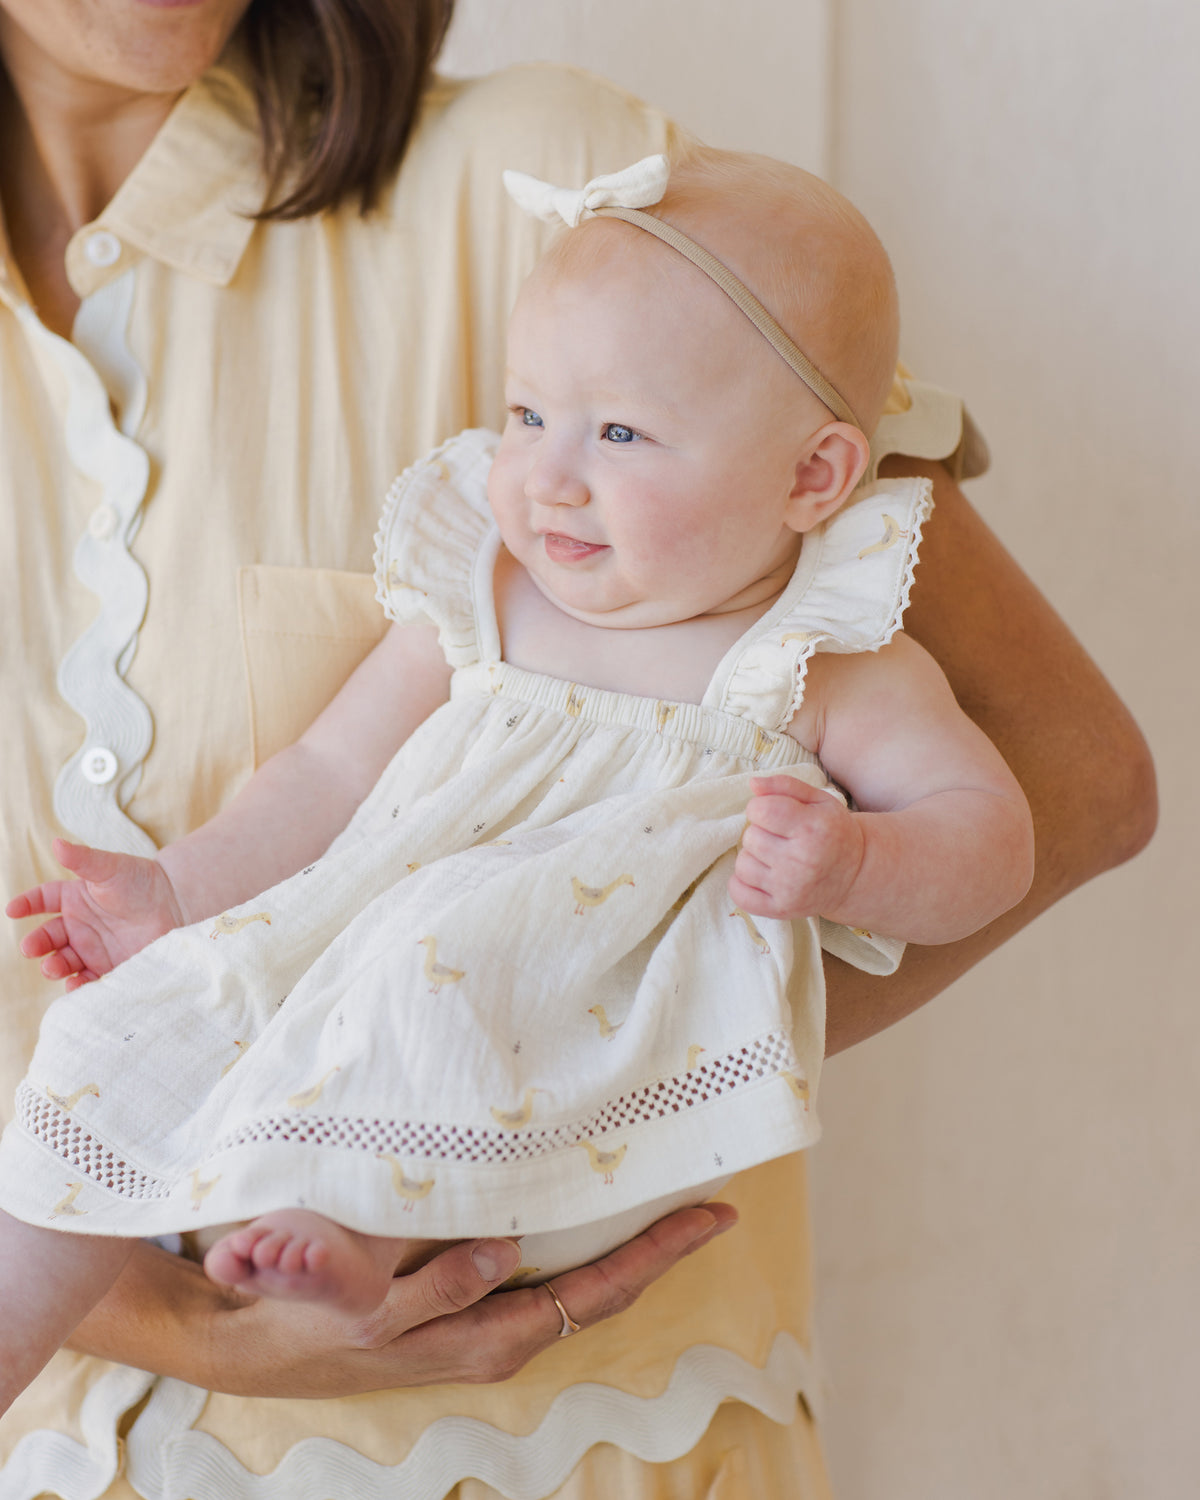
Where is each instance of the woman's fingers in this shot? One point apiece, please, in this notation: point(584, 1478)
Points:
point(437, 1324)
point(453, 1280)
point(606, 1287)
point(430, 1297)
point(493, 1339)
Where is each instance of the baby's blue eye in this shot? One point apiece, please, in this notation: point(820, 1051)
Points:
point(616, 432)
point(530, 418)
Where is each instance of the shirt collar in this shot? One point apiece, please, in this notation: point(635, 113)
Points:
point(189, 202)
point(11, 289)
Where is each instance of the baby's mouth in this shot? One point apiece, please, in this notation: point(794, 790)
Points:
point(567, 549)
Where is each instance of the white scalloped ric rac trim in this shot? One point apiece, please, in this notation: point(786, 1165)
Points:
point(51, 1463)
point(168, 1460)
point(91, 676)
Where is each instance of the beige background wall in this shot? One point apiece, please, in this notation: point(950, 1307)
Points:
point(1008, 1213)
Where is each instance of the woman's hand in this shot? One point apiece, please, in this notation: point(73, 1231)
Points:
point(438, 1325)
point(116, 905)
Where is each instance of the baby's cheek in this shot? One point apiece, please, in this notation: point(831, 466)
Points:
point(672, 539)
point(505, 496)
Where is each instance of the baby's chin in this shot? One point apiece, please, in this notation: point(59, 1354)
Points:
point(652, 614)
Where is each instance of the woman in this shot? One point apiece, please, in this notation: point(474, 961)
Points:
point(199, 412)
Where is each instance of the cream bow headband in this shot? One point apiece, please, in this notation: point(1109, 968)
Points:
point(622, 195)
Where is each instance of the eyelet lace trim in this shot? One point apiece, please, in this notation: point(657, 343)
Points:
point(472, 1145)
point(68, 1138)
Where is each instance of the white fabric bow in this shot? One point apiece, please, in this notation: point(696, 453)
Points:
point(637, 186)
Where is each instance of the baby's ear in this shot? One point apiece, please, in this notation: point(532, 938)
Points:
point(834, 460)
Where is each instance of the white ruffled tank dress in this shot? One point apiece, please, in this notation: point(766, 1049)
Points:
point(514, 997)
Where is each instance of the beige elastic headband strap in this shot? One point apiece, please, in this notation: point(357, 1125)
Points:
point(744, 299)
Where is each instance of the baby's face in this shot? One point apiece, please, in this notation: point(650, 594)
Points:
point(647, 465)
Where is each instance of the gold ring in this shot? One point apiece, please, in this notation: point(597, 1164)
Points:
point(569, 1325)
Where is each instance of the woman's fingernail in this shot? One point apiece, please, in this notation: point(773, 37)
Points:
point(496, 1259)
point(710, 1232)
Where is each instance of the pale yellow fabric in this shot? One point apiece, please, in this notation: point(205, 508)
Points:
point(742, 1456)
point(291, 370)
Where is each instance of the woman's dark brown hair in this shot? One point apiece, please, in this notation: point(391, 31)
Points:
point(338, 84)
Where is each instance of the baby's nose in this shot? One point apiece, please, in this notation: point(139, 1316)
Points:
point(553, 482)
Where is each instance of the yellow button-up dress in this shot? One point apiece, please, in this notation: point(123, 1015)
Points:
point(188, 490)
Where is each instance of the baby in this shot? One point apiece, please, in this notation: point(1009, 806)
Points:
point(561, 970)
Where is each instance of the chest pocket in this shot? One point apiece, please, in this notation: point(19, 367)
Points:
point(304, 630)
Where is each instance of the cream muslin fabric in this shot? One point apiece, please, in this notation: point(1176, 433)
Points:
point(512, 998)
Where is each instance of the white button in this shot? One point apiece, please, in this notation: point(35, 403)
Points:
point(102, 248)
point(103, 522)
point(99, 765)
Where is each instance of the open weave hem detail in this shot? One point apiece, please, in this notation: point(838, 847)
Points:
point(709, 1121)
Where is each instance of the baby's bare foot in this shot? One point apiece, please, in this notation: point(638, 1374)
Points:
point(303, 1257)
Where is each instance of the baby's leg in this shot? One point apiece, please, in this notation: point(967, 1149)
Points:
point(48, 1281)
point(301, 1256)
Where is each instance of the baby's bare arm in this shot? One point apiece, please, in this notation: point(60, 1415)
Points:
point(284, 817)
point(295, 803)
point(941, 842)
point(1022, 676)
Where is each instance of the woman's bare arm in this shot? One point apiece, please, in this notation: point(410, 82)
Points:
point(1027, 682)
point(436, 1326)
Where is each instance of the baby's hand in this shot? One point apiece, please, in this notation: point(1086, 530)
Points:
point(801, 851)
point(117, 905)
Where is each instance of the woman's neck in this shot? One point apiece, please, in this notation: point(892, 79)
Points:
point(84, 135)
point(69, 144)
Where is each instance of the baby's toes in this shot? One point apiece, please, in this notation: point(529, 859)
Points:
point(292, 1259)
point(267, 1250)
point(316, 1255)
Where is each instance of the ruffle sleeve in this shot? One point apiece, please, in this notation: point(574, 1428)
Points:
point(923, 421)
point(435, 518)
point(848, 593)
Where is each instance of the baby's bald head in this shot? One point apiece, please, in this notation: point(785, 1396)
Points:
point(802, 249)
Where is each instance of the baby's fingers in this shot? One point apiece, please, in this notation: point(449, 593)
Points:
point(784, 806)
point(49, 938)
point(63, 963)
point(86, 863)
point(789, 786)
point(36, 902)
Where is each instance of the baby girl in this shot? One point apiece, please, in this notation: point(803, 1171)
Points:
point(544, 889)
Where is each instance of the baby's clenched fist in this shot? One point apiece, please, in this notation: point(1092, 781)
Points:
point(801, 851)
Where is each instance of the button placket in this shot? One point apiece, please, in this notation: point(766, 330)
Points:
point(93, 788)
point(102, 523)
point(98, 765)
